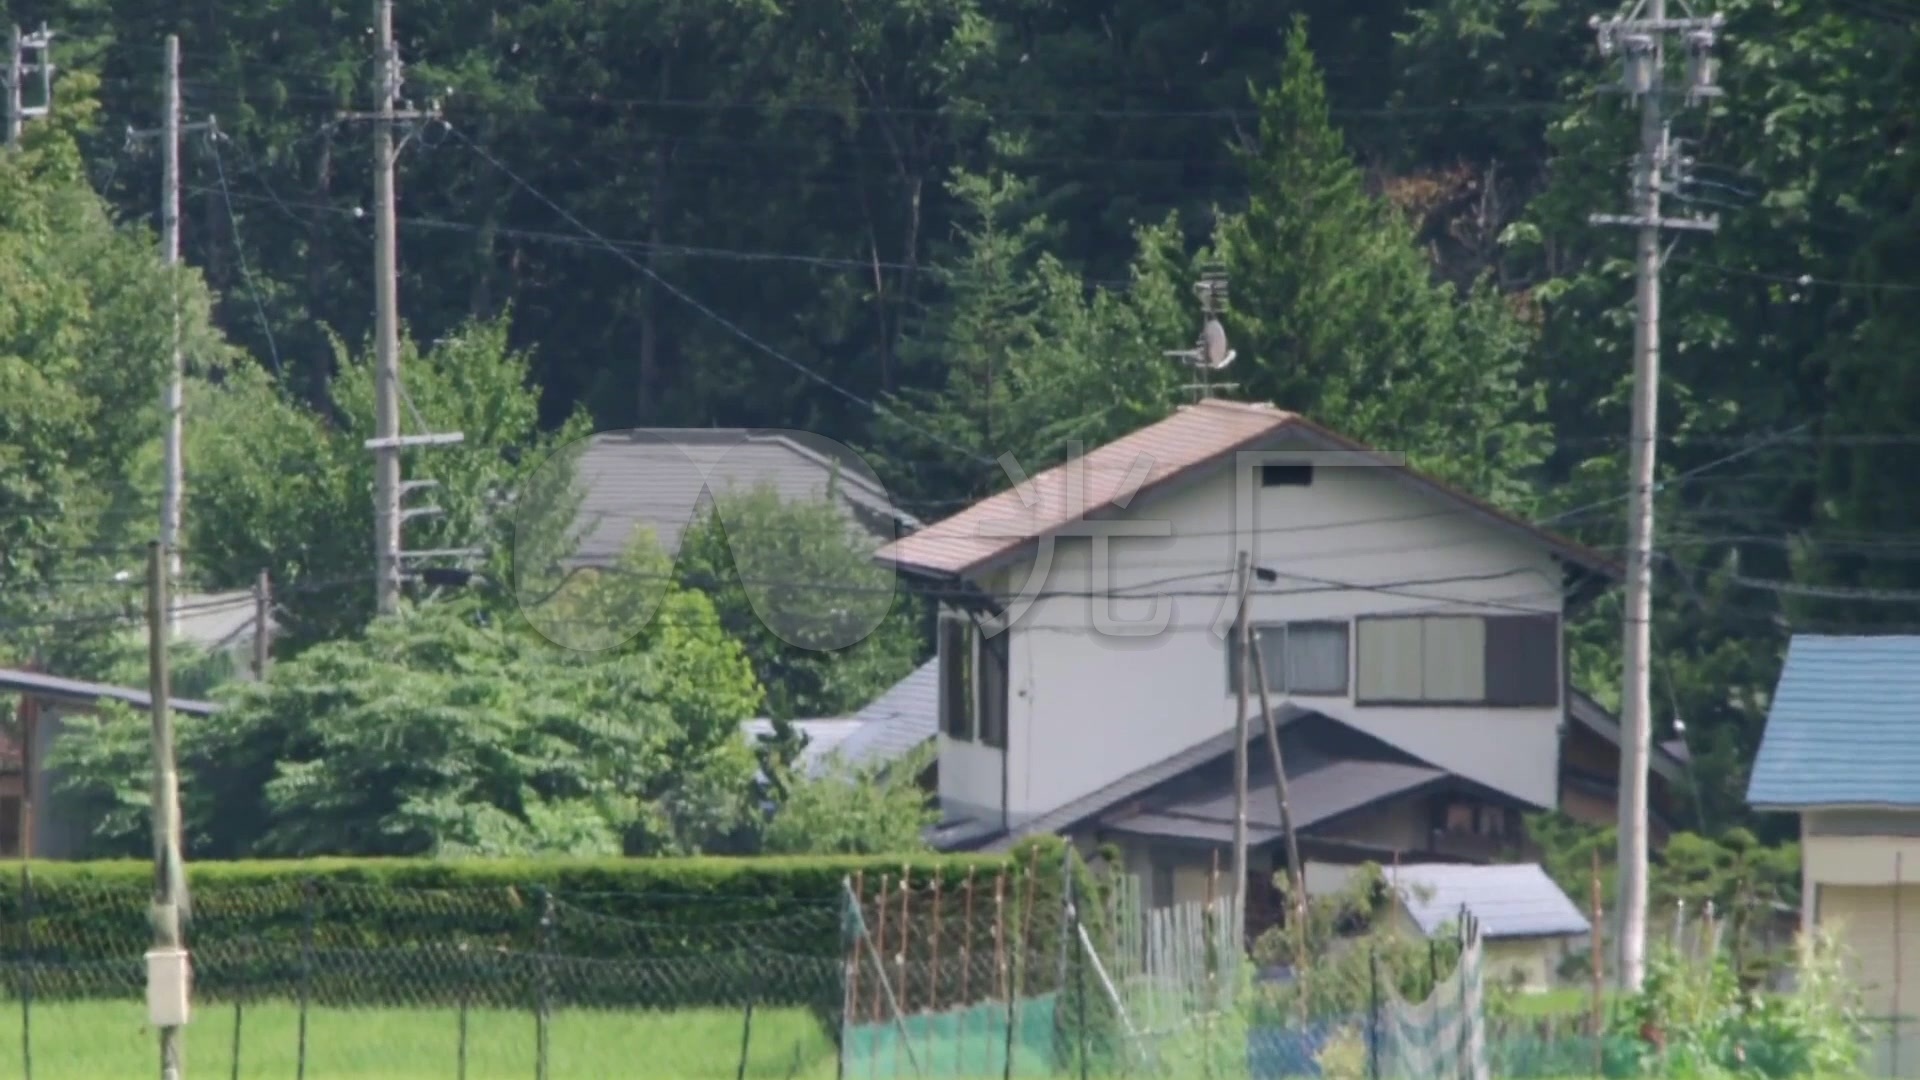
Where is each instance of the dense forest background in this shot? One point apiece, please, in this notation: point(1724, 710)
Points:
point(941, 229)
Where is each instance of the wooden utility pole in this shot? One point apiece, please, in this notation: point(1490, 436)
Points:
point(1244, 582)
point(167, 961)
point(262, 625)
point(1296, 870)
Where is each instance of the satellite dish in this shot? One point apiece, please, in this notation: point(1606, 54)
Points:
point(1213, 346)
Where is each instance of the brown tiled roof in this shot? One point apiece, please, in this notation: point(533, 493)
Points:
point(1160, 455)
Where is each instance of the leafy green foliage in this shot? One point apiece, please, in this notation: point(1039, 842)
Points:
point(824, 628)
point(868, 810)
point(452, 731)
point(1693, 1018)
point(279, 486)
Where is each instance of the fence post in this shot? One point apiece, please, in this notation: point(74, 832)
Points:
point(1373, 1013)
point(541, 1005)
point(466, 996)
point(746, 1038)
point(307, 891)
point(236, 1037)
point(1080, 995)
point(1460, 972)
point(26, 971)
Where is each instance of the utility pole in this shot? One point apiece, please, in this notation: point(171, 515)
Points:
point(173, 405)
point(1641, 41)
point(167, 968)
point(18, 68)
point(386, 481)
point(172, 397)
point(387, 442)
point(262, 625)
point(1242, 651)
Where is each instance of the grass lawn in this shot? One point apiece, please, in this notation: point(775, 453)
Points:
point(110, 1041)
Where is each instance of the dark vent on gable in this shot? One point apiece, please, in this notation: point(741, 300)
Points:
point(1286, 475)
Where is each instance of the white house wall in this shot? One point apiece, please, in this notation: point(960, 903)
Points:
point(1088, 707)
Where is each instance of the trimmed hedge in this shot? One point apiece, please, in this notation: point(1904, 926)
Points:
point(652, 933)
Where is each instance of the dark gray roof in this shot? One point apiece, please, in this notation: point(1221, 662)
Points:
point(1512, 901)
point(81, 692)
point(665, 478)
point(1593, 716)
point(1844, 728)
point(898, 722)
point(1137, 783)
point(1314, 797)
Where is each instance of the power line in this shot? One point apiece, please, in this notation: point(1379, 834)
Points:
point(690, 301)
point(240, 249)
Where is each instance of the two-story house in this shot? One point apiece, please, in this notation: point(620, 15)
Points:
point(1411, 636)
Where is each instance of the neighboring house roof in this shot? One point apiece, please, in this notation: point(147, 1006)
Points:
point(83, 693)
point(1844, 728)
point(898, 722)
point(214, 621)
point(822, 736)
point(1332, 770)
point(1159, 456)
point(1508, 901)
point(664, 479)
point(1593, 716)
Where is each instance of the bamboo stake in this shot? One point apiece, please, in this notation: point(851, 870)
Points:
point(906, 940)
point(966, 944)
point(880, 900)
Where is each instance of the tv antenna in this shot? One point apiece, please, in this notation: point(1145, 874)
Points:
point(1210, 353)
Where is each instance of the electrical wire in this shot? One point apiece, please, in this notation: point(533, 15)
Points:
point(240, 250)
point(690, 301)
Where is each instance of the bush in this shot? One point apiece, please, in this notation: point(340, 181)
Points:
point(1693, 1018)
point(664, 933)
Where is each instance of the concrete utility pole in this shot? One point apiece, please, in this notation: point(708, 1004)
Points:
point(18, 67)
point(172, 397)
point(167, 966)
point(1641, 42)
point(173, 405)
point(388, 490)
point(386, 476)
point(1241, 652)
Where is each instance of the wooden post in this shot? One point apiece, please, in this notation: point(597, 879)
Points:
point(933, 970)
point(966, 943)
point(1598, 955)
point(852, 1009)
point(906, 941)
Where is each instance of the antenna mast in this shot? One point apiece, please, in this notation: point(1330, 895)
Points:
point(1210, 352)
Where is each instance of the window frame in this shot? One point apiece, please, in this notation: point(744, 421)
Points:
point(979, 709)
point(1268, 632)
point(1487, 699)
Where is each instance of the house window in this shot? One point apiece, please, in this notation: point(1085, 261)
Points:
point(973, 682)
point(1302, 658)
point(1496, 660)
point(1286, 475)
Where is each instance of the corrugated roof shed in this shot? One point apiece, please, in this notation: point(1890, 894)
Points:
point(664, 479)
point(1194, 438)
point(1844, 727)
point(898, 722)
point(1511, 901)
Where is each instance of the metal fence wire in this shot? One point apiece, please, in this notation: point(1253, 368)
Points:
point(1025, 973)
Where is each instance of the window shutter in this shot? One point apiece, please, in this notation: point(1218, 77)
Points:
point(1523, 660)
point(993, 690)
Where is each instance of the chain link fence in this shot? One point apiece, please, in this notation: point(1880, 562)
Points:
point(1023, 973)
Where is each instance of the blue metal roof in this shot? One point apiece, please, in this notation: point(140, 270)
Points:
point(1510, 901)
point(1844, 728)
